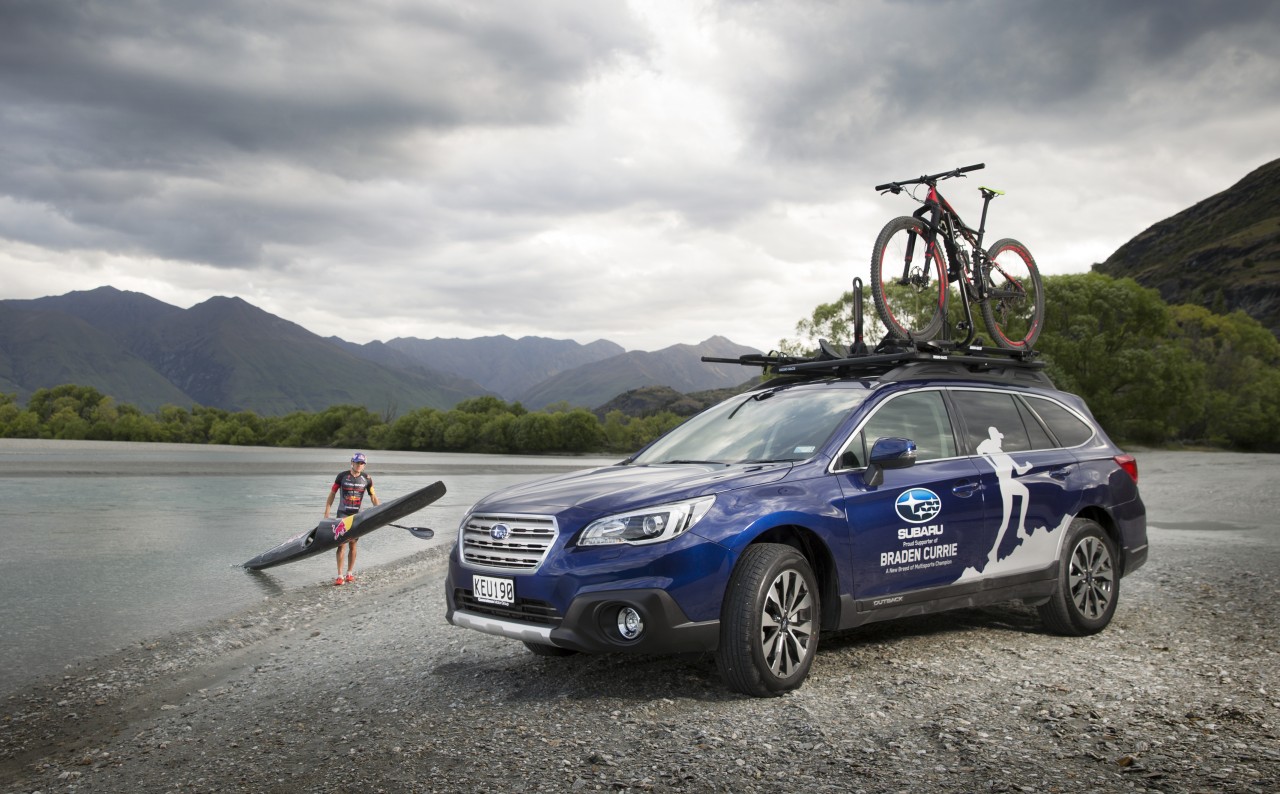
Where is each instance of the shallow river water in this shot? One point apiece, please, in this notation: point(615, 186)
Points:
point(107, 544)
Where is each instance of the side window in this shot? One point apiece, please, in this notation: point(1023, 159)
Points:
point(1066, 426)
point(992, 415)
point(921, 417)
point(1040, 438)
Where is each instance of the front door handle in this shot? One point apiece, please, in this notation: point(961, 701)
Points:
point(965, 489)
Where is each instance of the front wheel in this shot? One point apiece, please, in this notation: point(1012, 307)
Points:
point(1014, 309)
point(1088, 583)
point(909, 280)
point(769, 622)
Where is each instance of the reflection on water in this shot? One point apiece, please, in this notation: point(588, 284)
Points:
point(107, 544)
point(270, 585)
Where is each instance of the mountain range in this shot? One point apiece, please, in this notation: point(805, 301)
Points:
point(226, 353)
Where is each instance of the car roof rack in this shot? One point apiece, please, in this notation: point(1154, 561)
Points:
point(896, 359)
point(901, 359)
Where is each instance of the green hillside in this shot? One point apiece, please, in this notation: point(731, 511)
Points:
point(223, 353)
point(680, 367)
point(654, 400)
point(229, 354)
point(508, 367)
point(1222, 253)
point(42, 349)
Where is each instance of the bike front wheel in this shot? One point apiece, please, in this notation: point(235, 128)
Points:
point(909, 280)
point(1014, 308)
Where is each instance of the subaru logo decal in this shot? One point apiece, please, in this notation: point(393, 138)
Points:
point(918, 505)
point(499, 531)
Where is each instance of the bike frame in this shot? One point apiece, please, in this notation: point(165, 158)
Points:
point(941, 219)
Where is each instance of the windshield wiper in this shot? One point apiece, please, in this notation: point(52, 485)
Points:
point(698, 462)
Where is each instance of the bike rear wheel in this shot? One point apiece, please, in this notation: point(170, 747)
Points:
point(909, 280)
point(1014, 309)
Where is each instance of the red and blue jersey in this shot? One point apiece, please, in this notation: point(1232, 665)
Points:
point(352, 488)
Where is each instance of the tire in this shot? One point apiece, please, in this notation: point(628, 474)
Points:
point(769, 622)
point(1088, 583)
point(538, 649)
point(1015, 314)
point(914, 306)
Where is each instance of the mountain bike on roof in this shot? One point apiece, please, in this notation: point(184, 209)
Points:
point(916, 257)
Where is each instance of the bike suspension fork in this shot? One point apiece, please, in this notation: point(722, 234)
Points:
point(930, 214)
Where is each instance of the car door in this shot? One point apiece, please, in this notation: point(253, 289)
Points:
point(1025, 478)
point(913, 530)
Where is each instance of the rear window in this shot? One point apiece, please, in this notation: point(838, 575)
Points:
point(1070, 430)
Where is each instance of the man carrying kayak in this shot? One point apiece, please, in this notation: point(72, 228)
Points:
point(352, 484)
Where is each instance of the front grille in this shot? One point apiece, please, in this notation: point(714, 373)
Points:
point(525, 609)
point(523, 548)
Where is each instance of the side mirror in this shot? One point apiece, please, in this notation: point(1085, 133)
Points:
point(889, 453)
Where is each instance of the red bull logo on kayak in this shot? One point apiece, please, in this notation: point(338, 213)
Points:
point(340, 528)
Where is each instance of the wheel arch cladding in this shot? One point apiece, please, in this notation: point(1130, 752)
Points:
point(820, 559)
point(1102, 518)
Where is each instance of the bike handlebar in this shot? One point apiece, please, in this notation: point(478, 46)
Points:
point(931, 178)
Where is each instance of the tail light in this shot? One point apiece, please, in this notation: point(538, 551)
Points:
point(1129, 464)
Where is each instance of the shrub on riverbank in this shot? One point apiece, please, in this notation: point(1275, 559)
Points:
point(483, 424)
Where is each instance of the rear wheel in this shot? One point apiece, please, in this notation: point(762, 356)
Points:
point(1014, 309)
point(909, 280)
point(769, 622)
point(1088, 583)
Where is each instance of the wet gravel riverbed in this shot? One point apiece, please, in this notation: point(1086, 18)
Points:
point(325, 689)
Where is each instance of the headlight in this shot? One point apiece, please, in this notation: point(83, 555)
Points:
point(651, 525)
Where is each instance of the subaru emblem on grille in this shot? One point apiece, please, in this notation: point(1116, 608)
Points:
point(499, 531)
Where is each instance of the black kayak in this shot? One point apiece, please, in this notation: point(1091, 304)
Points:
point(331, 531)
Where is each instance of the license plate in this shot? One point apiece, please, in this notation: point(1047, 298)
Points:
point(492, 590)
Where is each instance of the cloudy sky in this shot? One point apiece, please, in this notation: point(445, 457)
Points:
point(646, 172)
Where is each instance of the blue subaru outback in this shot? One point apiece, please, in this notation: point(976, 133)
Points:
point(836, 494)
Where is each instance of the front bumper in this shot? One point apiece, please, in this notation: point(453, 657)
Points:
point(590, 624)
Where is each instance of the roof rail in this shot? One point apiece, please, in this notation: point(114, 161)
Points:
point(890, 354)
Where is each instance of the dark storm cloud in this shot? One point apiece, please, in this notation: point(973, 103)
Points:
point(174, 110)
point(293, 77)
point(846, 74)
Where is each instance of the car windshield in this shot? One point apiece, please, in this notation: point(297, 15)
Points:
point(787, 423)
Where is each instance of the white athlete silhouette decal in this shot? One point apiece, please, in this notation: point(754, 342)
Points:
point(1006, 468)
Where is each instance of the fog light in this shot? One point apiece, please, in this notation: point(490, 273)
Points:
point(629, 623)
